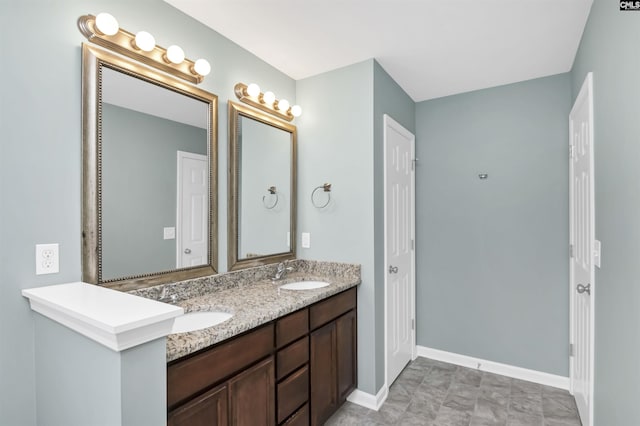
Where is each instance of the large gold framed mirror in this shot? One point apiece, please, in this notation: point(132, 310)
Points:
point(262, 188)
point(149, 213)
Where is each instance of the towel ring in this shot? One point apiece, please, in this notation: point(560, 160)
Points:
point(271, 190)
point(326, 188)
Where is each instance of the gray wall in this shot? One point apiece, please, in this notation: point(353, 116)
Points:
point(81, 382)
point(388, 98)
point(609, 48)
point(40, 157)
point(492, 255)
point(336, 146)
point(139, 188)
point(341, 134)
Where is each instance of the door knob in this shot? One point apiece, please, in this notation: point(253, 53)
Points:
point(187, 251)
point(584, 289)
point(393, 269)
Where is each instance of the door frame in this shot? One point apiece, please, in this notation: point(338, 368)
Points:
point(388, 121)
point(585, 90)
point(181, 155)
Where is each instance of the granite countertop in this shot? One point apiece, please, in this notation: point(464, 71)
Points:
point(251, 297)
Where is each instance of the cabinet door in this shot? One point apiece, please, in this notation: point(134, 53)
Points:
point(252, 396)
point(209, 409)
point(346, 337)
point(324, 397)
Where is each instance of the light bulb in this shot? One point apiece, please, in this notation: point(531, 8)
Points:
point(296, 111)
point(106, 24)
point(175, 54)
point(269, 98)
point(283, 105)
point(253, 90)
point(145, 41)
point(202, 67)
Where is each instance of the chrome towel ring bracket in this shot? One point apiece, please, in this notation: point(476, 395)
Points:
point(272, 191)
point(325, 188)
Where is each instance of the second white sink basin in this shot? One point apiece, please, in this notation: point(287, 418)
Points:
point(304, 285)
point(192, 321)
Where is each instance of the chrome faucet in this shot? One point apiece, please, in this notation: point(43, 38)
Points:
point(281, 272)
point(165, 298)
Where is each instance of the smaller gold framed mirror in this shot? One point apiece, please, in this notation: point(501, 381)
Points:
point(262, 188)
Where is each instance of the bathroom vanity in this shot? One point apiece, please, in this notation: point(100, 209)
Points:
point(285, 357)
point(296, 370)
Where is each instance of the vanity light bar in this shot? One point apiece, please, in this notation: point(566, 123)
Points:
point(267, 101)
point(104, 30)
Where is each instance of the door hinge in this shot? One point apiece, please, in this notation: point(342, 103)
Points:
point(570, 151)
point(413, 324)
point(571, 251)
point(413, 244)
point(571, 349)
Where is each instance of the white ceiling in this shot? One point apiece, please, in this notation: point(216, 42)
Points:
point(133, 93)
point(431, 48)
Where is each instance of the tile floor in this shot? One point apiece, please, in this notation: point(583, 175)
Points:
point(433, 393)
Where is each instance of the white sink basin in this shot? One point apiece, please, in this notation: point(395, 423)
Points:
point(304, 285)
point(198, 320)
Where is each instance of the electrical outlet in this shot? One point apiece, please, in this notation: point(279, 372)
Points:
point(47, 259)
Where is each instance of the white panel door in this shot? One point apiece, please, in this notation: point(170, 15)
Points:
point(193, 210)
point(582, 224)
point(399, 145)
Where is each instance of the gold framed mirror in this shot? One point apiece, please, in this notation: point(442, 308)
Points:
point(262, 188)
point(149, 212)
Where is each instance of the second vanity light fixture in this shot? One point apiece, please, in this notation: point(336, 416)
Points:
point(267, 101)
point(103, 29)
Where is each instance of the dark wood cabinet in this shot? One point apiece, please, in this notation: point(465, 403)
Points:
point(333, 354)
point(295, 371)
point(241, 376)
point(346, 358)
point(252, 396)
point(324, 387)
point(209, 409)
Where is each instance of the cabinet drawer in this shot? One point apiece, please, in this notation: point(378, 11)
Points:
point(292, 393)
point(300, 418)
point(323, 312)
point(292, 357)
point(292, 327)
point(186, 378)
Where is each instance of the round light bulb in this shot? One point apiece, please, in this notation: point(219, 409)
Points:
point(283, 105)
point(107, 24)
point(175, 54)
point(145, 41)
point(253, 90)
point(269, 98)
point(296, 111)
point(202, 67)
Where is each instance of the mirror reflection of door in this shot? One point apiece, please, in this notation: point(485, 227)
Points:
point(192, 213)
point(144, 126)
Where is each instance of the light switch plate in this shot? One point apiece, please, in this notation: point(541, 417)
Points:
point(597, 253)
point(169, 233)
point(306, 240)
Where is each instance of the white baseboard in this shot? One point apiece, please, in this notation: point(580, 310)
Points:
point(496, 367)
point(372, 402)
